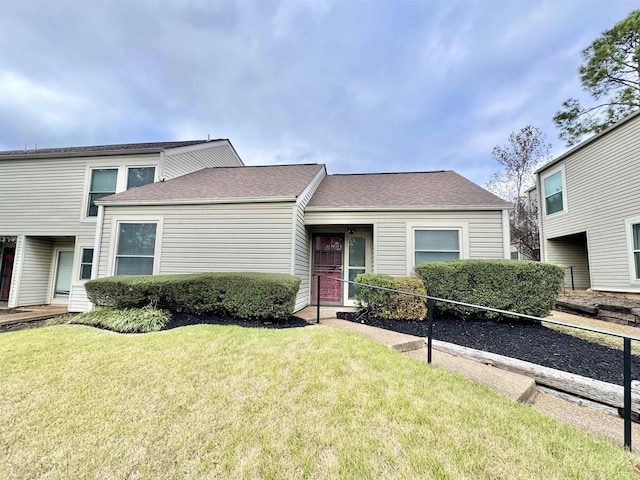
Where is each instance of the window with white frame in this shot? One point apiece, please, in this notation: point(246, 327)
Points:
point(436, 245)
point(635, 248)
point(103, 183)
point(139, 176)
point(86, 263)
point(553, 191)
point(135, 251)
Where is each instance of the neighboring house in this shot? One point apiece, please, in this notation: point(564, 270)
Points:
point(291, 219)
point(589, 211)
point(48, 214)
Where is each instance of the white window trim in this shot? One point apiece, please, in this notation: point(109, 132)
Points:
point(628, 226)
point(463, 239)
point(113, 244)
point(78, 269)
point(367, 261)
point(121, 181)
point(565, 208)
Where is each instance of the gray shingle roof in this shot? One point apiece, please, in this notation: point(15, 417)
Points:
point(419, 189)
point(224, 183)
point(100, 149)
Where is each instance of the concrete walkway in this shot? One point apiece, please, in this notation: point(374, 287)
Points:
point(516, 387)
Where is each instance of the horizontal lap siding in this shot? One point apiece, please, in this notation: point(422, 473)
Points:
point(302, 253)
point(570, 253)
point(42, 197)
point(186, 162)
point(602, 191)
point(215, 238)
point(390, 244)
point(36, 271)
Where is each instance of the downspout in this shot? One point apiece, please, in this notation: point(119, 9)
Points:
point(506, 234)
point(98, 241)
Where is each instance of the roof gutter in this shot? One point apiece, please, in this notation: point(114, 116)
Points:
point(195, 201)
point(398, 208)
point(87, 153)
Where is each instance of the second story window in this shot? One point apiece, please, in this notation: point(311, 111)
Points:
point(554, 200)
point(139, 176)
point(103, 183)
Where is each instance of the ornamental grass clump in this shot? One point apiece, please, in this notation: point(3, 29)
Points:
point(126, 320)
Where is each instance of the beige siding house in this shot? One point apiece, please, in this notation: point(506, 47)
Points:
point(48, 214)
point(589, 213)
point(68, 215)
point(296, 219)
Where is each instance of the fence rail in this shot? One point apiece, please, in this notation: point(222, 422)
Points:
point(429, 340)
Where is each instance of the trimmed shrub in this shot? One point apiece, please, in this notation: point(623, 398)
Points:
point(385, 304)
point(407, 306)
point(241, 295)
point(371, 300)
point(128, 320)
point(523, 287)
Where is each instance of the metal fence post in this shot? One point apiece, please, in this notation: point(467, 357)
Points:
point(573, 285)
point(318, 300)
point(430, 304)
point(627, 393)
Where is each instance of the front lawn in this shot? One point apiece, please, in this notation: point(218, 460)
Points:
point(211, 401)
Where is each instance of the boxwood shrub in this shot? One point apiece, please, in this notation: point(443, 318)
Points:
point(526, 287)
point(257, 296)
point(386, 304)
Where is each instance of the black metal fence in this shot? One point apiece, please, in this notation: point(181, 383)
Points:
point(429, 340)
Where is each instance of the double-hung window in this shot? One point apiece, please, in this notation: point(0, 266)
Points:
point(107, 181)
point(103, 183)
point(554, 194)
point(135, 252)
point(86, 263)
point(635, 248)
point(436, 245)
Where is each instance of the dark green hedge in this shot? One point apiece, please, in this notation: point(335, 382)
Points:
point(530, 288)
point(385, 304)
point(240, 295)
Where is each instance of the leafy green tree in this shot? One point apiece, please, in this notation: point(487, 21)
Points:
point(527, 151)
point(611, 75)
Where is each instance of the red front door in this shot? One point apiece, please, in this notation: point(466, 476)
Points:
point(327, 261)
point(6, 269)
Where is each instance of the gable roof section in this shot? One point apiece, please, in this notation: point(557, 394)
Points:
point(223, 184)
point(434, 190)
point(103, 150)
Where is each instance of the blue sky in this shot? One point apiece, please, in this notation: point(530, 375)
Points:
point(363, 86)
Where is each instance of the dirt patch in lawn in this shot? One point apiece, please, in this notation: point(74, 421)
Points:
point(184, 319)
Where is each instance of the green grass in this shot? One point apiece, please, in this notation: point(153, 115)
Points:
point(225, 402)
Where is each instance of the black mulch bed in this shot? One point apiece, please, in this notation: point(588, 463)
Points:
point(533, 343)
point(184, 319)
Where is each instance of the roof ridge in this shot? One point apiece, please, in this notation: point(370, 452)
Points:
point(111, 146)
point(387, 173)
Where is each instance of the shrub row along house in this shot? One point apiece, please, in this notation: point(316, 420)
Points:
point(71, 214)
point(590, 210)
